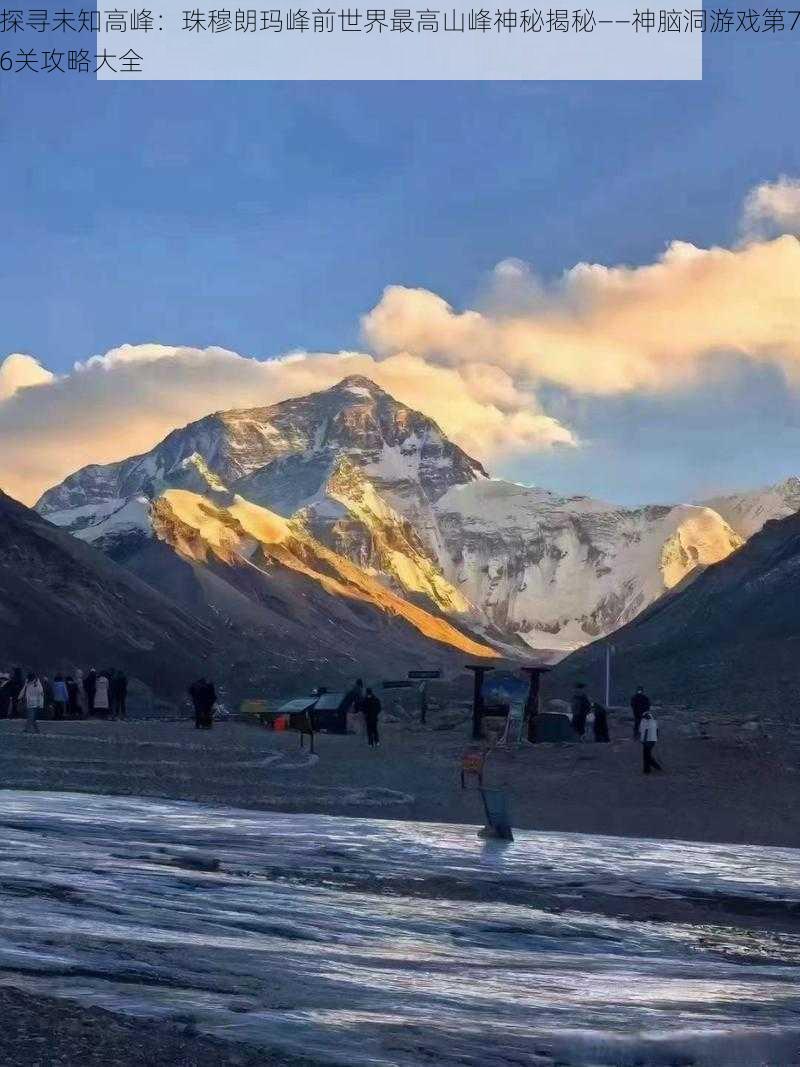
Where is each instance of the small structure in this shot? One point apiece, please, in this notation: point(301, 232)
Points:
point(330, 713)
point(552, 726)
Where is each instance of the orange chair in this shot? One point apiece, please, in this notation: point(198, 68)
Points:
point(472, 762)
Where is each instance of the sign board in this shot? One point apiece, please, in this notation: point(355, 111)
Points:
point(398, 685)
point(424, 674)
point(514, 724)
point(498, 820)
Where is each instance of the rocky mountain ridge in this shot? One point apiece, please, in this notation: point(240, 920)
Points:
point(381, 486)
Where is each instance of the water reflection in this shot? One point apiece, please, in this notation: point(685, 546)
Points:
point(103, 900)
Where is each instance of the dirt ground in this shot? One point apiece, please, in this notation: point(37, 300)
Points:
point(724, 780)
point(47, 1032)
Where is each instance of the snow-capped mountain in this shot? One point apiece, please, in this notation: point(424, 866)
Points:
point(380, 485)
point(726, 642)
point(747, 512)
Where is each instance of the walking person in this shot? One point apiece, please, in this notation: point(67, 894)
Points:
point(600, 722)
point(102, 702)
point(648, 734)
point(33, 699)
point(372, 709)
point(640, 703)
point(60, 697)
point(581, 706)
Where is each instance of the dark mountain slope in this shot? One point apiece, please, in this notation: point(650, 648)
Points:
point(65, 604)
point(729, 641)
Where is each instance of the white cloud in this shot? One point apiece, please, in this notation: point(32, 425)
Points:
point(606, 330)
point(122, 403)
point(772, 207)
point(598, 331)
point(19, 371)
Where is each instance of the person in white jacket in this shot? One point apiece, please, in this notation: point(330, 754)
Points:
point(33, 696)
point(102, 703)
point(648, 735)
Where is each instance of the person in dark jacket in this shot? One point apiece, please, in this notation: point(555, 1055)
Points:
point(204, 697)
point(208, 700)
point(60, 697)
point(73, 698)
point(5, 696)
point(581, 706)
point(17, 685)
point(600, 722)
point(372, 709)
point(640, 703)
point(89, 689)
point(119, 695)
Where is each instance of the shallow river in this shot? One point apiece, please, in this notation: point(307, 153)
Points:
point(367, 942)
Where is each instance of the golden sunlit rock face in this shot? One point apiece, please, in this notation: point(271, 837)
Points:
point(246, 534)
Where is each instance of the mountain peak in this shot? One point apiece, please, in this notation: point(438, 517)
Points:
point(358, 385)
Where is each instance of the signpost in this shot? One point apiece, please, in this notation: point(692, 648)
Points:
point(532, 703)
point(609, 653)
point(478, 670)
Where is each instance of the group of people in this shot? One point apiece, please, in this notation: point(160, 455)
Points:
point(103, 694)
point(364, 702)
point(645, 727)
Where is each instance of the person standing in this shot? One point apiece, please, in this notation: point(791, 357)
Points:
point(372, 709)
point(5, 696)
point(89, 689)
point(648, 734)
point(17, 685)
point(121, 695)
point(81, 684)
point(33, 699)
point(47, 686)
point(600, 722)
point(102, 704)
point(60, 697)
point(640, 703)
point(581, 706)
point(73, 698)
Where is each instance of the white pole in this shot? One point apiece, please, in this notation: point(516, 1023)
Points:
point(608, 675)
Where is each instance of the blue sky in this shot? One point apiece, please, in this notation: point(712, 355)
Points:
point(266, 217)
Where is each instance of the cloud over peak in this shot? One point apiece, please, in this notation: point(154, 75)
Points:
point(496, 377)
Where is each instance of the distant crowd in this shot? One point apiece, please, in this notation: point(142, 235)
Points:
point(102, 694)
point(645, 727)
